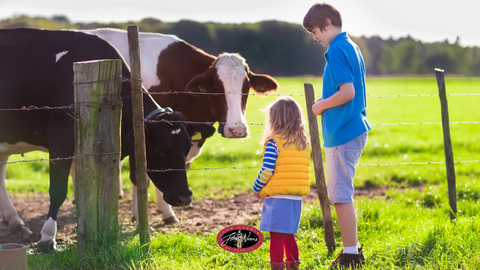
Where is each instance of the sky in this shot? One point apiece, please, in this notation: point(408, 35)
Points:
point(425, 20)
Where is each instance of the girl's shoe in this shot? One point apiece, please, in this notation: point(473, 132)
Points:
point(277, 265)
point(292, 265)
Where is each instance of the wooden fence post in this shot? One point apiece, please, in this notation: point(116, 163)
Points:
point(447, 144)
point(319, 173)
point(98, 110)
point(139, 134)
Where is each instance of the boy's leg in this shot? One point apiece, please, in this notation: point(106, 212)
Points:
point(291, 247)
point(347, 221)
point(341, 162)
point(276, 246)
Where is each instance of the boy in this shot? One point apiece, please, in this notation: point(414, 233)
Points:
point(344, 124)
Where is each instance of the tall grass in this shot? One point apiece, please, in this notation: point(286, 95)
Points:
point(407, 228)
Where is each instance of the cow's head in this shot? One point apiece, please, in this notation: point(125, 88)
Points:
point(226, 84)
point(168, 142)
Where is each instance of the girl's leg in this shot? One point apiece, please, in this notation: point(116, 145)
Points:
point(276, 246)
point(291, 247)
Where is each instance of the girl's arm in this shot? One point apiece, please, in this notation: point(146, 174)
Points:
point(345, 93)
point(268, 167)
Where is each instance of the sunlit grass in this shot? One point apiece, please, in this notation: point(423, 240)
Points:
point(407, 228)
point(401, 232)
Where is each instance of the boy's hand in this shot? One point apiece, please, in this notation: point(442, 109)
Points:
point(317, 108)
point(257, 195)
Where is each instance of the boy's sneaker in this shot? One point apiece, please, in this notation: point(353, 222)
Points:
point(348, 261)
point(360, 252)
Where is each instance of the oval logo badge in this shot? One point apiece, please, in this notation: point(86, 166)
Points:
point(240, 238)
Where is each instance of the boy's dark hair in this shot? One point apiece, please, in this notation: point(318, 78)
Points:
point(317, 15)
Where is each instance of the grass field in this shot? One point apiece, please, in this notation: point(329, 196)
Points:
point(409, 228)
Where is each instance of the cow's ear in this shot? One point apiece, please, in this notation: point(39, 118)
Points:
point(131, 136)
point(262, 84)
point(200, 131)
point(201, 83)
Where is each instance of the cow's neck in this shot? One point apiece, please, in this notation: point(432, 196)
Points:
point(186, 105)
point(149, 105)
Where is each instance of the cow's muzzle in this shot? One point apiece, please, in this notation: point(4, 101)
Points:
point(233, 132)
point(182, 200)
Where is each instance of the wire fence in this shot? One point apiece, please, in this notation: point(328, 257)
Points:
point(72, 106)
point(298, 95)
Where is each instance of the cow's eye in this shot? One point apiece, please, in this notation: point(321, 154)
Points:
point(215, 89)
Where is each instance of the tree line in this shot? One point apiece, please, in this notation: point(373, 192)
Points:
point(285, 49)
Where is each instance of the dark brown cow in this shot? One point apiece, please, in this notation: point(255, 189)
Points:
point(36, 70)
point(221, 84)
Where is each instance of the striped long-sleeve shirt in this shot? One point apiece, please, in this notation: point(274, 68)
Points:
point(268, 167)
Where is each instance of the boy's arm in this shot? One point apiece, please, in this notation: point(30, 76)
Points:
point(345, 93)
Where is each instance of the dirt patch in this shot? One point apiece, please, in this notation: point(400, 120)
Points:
point(204, 216)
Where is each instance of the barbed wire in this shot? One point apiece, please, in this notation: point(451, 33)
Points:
point(221, 94)
point(232, 167)
point(296, 95)
point(59, 158)
point(417, 163)
point(364, 164)
point(72, 106)
point(31, 108)
point(65, 107)
point(101, 104)
point(124, 79)
point(422, 95)
point(263, 124)
point(422, 123)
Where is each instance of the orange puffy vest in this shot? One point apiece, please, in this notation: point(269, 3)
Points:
point(292, 171)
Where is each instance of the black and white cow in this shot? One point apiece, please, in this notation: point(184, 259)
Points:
point(36, 69)
point(170, 64)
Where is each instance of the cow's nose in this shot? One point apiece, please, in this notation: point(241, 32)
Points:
point(183, 200)
point(238, 131)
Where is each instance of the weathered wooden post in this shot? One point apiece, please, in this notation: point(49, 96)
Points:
point(447, 144)
point(139, 134)
point(319, 173)
point(98, 110)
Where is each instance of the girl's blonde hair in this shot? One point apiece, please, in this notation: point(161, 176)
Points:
point(284, 118)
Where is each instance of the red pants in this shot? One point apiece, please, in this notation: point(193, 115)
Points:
point(280, 242)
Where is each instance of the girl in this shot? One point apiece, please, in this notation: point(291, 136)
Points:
point(284, 179)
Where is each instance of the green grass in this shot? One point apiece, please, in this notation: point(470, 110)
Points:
point(408, 228)
point(395, 237)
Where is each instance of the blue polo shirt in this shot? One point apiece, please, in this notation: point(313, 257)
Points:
point(344, 64)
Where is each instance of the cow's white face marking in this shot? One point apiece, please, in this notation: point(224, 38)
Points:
point(59, 55)
point(19, 148)
point(175, 131)
point(231, 71)
point(152, 44)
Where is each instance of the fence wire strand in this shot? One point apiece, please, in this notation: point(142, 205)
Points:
point(233, 167)
point(364, 164)
point(263, 124)
point(298, 95)
point(100, 104)
point(59, 158)
point(423, 95)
